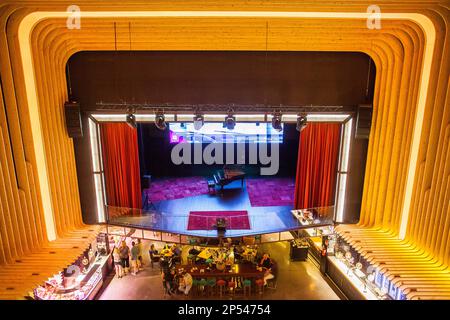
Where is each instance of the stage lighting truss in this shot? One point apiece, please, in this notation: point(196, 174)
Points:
point(215, 108)
point(199, 114)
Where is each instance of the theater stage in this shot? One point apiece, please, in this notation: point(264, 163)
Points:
point(264, 215)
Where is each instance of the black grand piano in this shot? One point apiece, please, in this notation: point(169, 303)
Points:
point(228, 174)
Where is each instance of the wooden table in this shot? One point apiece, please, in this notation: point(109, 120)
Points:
point(243, 270)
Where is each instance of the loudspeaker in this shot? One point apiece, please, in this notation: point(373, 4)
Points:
point(363, 121)
point(73, 119)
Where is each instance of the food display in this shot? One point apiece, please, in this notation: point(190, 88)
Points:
point(363, 274)
point(55, 290)
point(83, 279)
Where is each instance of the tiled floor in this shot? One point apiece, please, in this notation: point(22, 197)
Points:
point(296, 281)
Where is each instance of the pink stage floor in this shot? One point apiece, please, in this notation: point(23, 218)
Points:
point(262, 192)
point(176, 188)
point(269, 192)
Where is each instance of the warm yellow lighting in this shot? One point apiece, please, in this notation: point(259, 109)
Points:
point(28, 23)
point(343, 167)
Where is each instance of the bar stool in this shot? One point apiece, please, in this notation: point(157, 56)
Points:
point(195, 289)
point(260, 284)
point(231, 287)
point(210, 285)
point(221, 284)
point(202, 284)
point(247, 287)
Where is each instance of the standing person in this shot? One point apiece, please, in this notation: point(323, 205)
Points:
point(185, 283)
point(117, 263)
point(266, 263)
point(164, 264)
point(168, 278)
point(124, 253)
point(140, 259)
point(134, 258)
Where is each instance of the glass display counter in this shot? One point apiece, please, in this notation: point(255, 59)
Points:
point(83, 279)
point(80, 286)
point(358, 278)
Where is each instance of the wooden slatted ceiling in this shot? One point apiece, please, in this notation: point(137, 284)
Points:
point(419, 263)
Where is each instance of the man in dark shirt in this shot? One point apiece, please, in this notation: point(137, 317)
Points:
point(168, 281)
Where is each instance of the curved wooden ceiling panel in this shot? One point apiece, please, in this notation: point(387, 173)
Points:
point(408, 164)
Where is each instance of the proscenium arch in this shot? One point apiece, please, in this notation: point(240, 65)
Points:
point(31, 20)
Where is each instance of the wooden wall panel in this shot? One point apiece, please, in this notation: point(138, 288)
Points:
point(418, 263)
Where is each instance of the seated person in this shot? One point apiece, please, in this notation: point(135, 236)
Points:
point(238, 253)
point(176, 253)
point(185, 284)
point(153, 253)
point(266, 264)
point(176, 250)
point(153, 250)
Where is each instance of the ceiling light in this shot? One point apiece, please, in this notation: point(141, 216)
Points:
point(276, 122)
point(198, 122)
point(302, 122)
point(131, 120)
point(160, 122)
point(230, 122)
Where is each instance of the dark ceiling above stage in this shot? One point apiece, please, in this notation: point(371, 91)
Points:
point(210, 77)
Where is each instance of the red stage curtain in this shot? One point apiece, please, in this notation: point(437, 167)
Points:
point(121, 165)
point(317, 165)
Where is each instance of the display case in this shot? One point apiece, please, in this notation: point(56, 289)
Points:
point(85, 289)
point(83, 279)
point(357, 277)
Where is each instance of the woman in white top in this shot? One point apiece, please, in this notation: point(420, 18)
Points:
point(185, 283)
point(117, 263)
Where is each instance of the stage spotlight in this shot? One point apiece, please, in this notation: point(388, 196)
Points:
point(198, 121)
point(276, 122)
point(230, 122)
point(302, 122)
point(131, 120)
point(160, 122)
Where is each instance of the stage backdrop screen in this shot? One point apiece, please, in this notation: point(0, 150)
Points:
point(215, 132)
